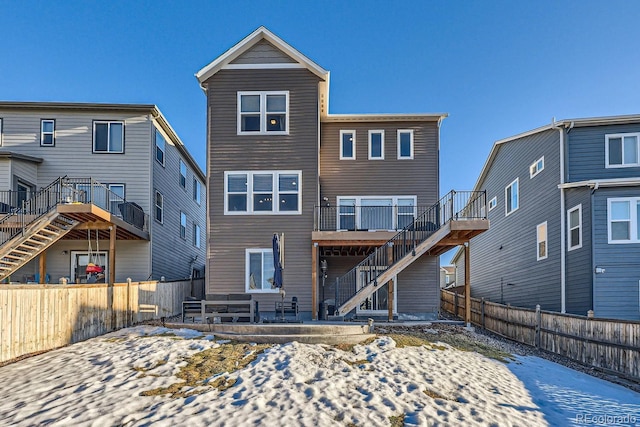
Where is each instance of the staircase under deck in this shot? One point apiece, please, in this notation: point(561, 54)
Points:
point(451, 234)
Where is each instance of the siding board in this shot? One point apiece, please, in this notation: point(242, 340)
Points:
point(503, 259)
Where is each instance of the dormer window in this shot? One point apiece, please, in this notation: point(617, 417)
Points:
point(263, 113)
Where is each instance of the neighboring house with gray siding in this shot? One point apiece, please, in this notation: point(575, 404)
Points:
point(128, 180)
point(337, 185)
point(564, 206)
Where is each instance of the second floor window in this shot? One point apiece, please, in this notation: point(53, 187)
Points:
point(197, 189)
point(159, 207)
point(541, 240)
point(263, 192)
point(263, 112)
point(47, 133)
point(183, 225)
point(622, 150)
point(511, 197)
point(183, 174)
point(623, 215)
point(574, 232)
point(376, 145)
point(160, 146)
point(196, 235)
point(108, 137)
point(536, 167)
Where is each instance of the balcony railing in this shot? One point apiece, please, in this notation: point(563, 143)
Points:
point(465, 204)
point(88, 190)
point(22, 208)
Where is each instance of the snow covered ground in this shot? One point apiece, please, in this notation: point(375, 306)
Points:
point(98, 382)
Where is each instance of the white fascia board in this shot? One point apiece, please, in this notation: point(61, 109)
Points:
point(248, 42)
point(614, 182)
point(373, 117)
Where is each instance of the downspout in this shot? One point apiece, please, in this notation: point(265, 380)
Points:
point(563, 284)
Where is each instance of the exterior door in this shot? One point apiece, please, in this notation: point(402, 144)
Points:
point(378, 302)
point(376, 214)
point(79, 261)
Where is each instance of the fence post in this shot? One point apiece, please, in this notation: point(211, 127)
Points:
point(482, 312)
point(128, 314)
point(538, 321)
point(455, 303)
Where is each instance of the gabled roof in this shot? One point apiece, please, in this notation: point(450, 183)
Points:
point(565, 123)
point(262, 33)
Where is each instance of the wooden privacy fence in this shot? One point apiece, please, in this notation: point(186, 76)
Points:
point(36, 318)
point(608, 344)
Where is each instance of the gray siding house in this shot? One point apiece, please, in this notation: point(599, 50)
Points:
point(337, 186)
point(564, 204)
point(96, 182)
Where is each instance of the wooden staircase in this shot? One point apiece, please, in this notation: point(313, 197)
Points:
point(456, 218)
point(38, 236)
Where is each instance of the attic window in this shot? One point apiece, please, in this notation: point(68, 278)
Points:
point(263, 113)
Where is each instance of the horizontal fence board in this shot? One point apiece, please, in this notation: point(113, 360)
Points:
point(35, 318)
point(608, 344)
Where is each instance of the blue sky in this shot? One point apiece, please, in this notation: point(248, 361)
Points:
point(497, 67)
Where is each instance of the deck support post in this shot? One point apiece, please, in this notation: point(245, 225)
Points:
point(42, 266)
point(390, 284)
point(467, 287)
point(314, 281)
point(112, 253)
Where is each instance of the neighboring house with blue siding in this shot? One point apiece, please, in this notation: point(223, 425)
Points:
point(131, 191)
point(564, 207)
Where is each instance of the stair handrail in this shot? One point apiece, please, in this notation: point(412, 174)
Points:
point(41, 203)
point(455, 205)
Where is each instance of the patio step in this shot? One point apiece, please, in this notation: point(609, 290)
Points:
point(326, 333)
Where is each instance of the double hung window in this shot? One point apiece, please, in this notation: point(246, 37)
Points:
point(47, 133)
point(623, 214)
point(263, 112)
point(574, 229)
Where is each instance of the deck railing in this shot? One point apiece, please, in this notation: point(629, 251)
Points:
point(456, 205)
point(364, 218)
point(21, 211)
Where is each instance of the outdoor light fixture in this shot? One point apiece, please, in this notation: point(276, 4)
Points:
point(600, 270)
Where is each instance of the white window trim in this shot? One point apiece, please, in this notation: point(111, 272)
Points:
point(43, 133)
point(506, 205)
point(109, 122)
point(546, 240)
point(579, 227)
point(633, 218)
point(493, 203)
point(155, 206)
point(533, 169)
point(163, 150)
point(358, 202)
point(181, 163)
point(623, 165)
point(276, 205)
point(409, 131)
point(381, 132)
point(263, 113)
point(247, 273)
point(353, 133)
